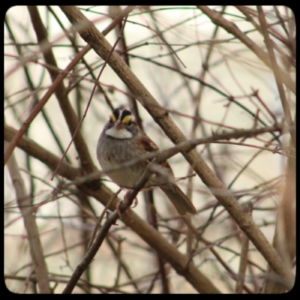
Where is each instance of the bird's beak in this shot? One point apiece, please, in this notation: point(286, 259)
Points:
point(120, 126)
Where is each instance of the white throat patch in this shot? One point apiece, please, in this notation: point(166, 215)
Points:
point(118, 134)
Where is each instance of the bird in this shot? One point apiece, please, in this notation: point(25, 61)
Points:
point(120, 141)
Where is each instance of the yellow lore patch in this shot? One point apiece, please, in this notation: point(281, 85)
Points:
point(127, 119)
point(113, 118)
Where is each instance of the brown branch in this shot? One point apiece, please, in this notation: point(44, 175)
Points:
point(34, 150)
point(285, 234)
point(277, 73)
point(185, 146)
point(247, 208)
point(35, 245)
point(61, 91)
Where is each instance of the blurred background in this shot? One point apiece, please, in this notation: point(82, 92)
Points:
point(194, 68)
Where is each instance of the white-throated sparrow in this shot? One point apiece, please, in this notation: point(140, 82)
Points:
point(121, 141)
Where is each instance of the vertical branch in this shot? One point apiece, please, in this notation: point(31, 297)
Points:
point(285, 234)
point(35, 245)
point(277, 74)
point(247, 208)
